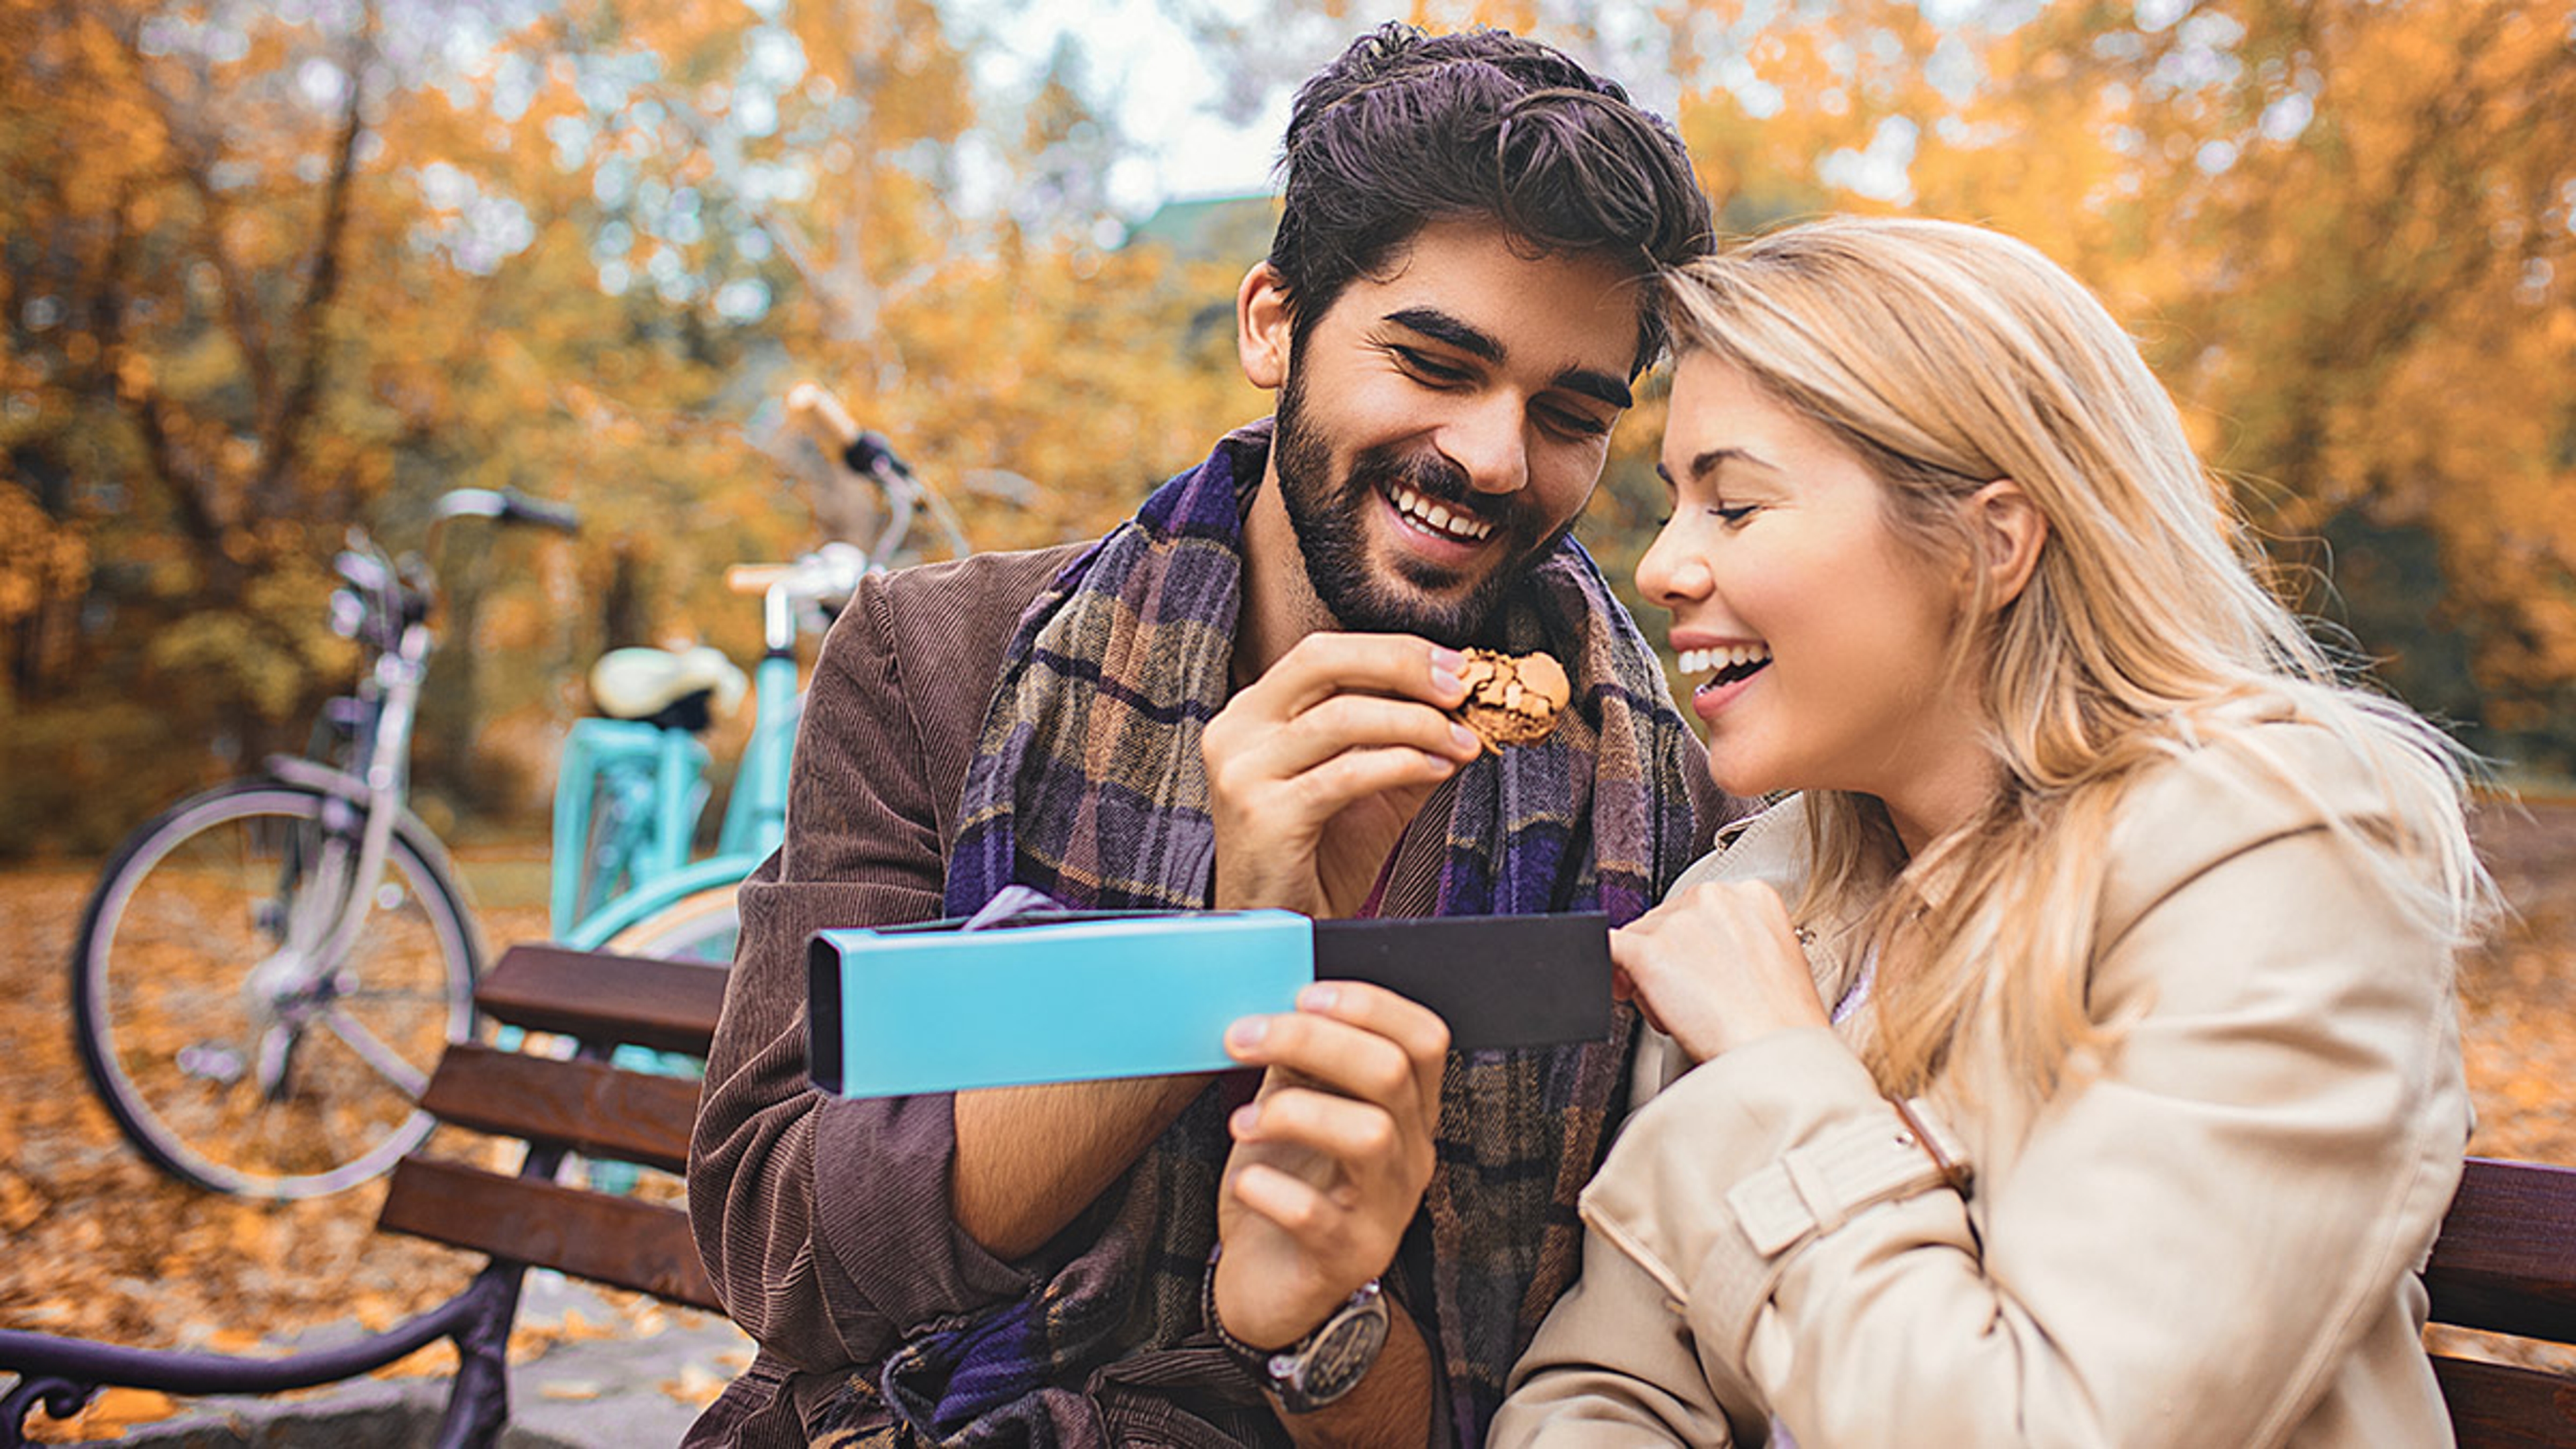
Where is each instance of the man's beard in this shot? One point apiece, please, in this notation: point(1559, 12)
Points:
point(1332, 533)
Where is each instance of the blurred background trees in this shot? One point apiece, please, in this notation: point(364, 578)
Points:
point(271, 269)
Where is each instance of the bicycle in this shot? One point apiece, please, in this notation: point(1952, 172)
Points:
point(631, 787)
point(267, 971)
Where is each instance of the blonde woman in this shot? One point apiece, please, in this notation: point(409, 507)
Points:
point(2072, 1060)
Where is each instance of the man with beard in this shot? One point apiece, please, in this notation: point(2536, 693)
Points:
point(1237, 699)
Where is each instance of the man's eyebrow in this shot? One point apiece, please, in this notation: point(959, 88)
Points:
point(1439, 326)
point(1597, 385)
point(1443, 328)
point(1710, 461)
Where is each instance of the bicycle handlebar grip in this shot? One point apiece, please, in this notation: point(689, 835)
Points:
point(756, 578)
point(869, 452)
point(813, 407)
point(520, 508)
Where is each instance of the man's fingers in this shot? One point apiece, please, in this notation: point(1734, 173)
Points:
point(1358, 1137)
point(1315, 1215)
point(1355, 775)
point(1335, 1055)
point(1357, 1039)
point(1398, 1018)
point(1320, 665)
point(1415, 1028)
point(1338, 726)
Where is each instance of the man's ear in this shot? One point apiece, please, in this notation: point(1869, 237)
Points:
point(1261, 327)
point(2010, 532)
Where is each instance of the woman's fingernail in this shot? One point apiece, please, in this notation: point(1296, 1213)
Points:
point(1246, 1034)
point(1318, 997)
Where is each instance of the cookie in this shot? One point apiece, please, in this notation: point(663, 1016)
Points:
point(1512, 699)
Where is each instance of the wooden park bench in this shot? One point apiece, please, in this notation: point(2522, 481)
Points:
point(558, 1106)
point(2505, 1262)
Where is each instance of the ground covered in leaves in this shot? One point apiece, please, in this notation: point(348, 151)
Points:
point(95, 1243)
point(100, 1245)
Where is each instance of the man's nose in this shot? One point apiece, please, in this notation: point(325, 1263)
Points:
point(1487, 439)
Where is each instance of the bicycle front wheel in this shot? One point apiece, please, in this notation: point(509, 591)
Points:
point(700, 926)
point(228, 1051)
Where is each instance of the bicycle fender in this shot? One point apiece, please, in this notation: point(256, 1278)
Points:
point(715, 870)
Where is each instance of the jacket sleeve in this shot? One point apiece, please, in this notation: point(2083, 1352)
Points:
point(1613, 1366)
point(2189, 1241)
point(825, 1221)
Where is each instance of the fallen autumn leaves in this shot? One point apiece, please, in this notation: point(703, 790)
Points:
point(100, 1245)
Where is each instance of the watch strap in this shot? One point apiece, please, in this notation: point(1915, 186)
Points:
point(1280, 1370)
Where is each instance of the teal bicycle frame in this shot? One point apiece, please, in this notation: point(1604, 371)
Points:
point(643, 866)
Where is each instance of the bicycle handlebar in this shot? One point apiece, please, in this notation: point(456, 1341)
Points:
point(830, 572)
point(756, 578)
point(561, 517)
point(508, 505)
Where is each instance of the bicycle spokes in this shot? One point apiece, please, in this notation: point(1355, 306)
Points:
point(248, 1035)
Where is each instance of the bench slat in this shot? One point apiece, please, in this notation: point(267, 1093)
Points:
point(590, 1107)
point(667, 1005)
point(2496, 1406)
point(2506, 1258)
point(615, 1240)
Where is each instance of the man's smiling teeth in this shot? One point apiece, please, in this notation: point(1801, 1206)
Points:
point(1733, 661)
point(1464, 527)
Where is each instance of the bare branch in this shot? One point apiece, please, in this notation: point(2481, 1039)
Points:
point(310, 328)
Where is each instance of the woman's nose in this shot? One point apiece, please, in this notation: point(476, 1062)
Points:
point(1672, 572)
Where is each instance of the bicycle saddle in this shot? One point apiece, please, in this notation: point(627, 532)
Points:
point(670, 687)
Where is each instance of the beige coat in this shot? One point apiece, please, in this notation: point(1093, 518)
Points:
point(2213, 1242)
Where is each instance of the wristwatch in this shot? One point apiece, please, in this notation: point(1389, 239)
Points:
point(1316, 1369)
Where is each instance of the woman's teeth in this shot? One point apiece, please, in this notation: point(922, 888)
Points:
point(1464, 527)
point(1728, 664)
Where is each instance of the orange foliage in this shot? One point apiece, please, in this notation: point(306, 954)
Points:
point(2342, 230)
point(285, 278)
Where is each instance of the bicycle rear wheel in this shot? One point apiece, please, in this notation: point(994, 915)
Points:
point(700, 926)
point(234, 1062)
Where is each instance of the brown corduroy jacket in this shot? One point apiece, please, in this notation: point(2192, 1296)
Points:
point(826, 1271)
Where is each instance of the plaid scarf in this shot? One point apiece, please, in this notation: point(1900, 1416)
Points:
point(1088, 785)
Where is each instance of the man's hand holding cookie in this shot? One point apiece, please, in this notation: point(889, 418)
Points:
point(1315, 768)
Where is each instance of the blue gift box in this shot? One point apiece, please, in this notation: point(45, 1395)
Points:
point(1059, 997)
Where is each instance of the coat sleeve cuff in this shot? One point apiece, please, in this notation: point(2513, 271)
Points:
point(1789, 1134)
point(882, 1210)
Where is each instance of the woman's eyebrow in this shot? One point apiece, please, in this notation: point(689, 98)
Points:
point(1712, 460)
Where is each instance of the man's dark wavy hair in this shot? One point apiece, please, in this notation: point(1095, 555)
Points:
point(1407, 129)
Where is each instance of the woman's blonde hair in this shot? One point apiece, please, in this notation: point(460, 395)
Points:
point(1948, 356)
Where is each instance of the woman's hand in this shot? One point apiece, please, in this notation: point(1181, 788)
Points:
point(1715, 966)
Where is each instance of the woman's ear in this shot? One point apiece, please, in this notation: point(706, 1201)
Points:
point(1261, 327)
point(2010, 531)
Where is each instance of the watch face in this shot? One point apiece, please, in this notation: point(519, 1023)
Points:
point(1342, 1354)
